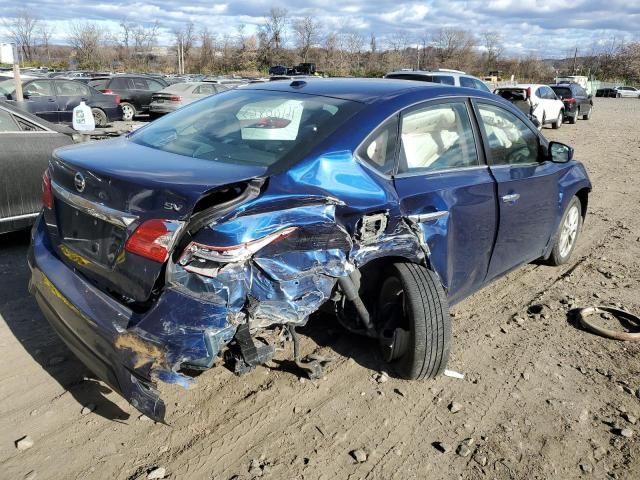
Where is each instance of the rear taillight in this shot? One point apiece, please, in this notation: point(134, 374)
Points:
point(569, 100)
point(529, 92)
point(175, 98)
point(232, 253)
point(107, 91)
point(153, 239)
point(47, 194)
point(117, 97)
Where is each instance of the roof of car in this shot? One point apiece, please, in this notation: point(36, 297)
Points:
point(11, 107)
point(358, 89)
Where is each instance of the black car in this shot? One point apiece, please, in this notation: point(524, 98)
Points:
point(577, 102)
point(54, 99)
point(26, 144)
point(134, 90)
point(607, 92)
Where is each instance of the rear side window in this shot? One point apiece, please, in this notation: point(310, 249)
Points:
point(139, 83)
point(154, 86)
point(444, 79)
point(206, 89)
point(510, 140)
point(6, 122)
point(67, 88)
point(437, 137)
point(248, 127)
point(379, 149)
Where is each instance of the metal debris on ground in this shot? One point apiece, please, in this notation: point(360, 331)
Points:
point(620, 315)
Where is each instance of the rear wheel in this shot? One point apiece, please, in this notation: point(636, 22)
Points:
point(558, 121)
point(99, 117)
point(573, 118)
point(413, 322)
point(587, 115)
point(567, 234)
point(128, 111)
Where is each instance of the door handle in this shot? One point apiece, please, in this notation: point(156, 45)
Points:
point(511, 198)
point(52, 100)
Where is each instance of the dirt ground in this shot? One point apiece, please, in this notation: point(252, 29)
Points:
point(541, 399)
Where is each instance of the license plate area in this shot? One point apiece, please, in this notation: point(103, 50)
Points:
point(89, 236)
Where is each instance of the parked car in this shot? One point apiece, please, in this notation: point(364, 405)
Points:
point(542, 101)
point(177, 95)
point(607, 92)
point(442, 75)
point(242, 214)
point(625, 92)
point(26, 145)
point(577, 102)
point(134, 91)
point(54, 99)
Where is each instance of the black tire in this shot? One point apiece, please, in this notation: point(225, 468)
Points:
point(413, 319)
point(560, 255)
point(557, 123)
point(587, 115)
point(618, 95)
point(128, 111)
point(99, 117)
point(574, 118)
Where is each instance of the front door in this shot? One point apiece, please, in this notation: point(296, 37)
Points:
point(446, 189)
point(528, 188)
point(41, 99)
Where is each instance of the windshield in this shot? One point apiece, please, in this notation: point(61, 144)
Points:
point(248, 127)
point(7, 86)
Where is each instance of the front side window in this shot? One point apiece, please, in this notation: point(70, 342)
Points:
point(154, 86)
point(248, 127)
point(379, 150)
point(139, 83)
point(511, 141)
point(437, 137)
point(39, 88)
point(467, 82)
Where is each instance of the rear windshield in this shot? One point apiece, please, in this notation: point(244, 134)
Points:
point(562, 92)
point(512, 94)
point(248, 127)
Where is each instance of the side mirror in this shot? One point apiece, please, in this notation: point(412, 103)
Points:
point(560, 153)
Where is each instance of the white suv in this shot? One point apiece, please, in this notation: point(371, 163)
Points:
point(442, 75)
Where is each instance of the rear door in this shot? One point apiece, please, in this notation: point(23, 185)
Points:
point(446, 189)
point(527, 189)
point(70, 94)
point(25, 150)
point(41, 99)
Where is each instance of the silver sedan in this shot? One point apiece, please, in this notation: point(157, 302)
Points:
point(177, 95)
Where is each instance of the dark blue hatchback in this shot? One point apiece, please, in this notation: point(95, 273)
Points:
point(240, 215)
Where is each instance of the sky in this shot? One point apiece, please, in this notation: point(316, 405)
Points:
point(543, 28)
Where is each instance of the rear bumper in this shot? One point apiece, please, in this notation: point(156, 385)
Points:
point(128, 351)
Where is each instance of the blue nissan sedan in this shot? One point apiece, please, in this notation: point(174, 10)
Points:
point(220, 228)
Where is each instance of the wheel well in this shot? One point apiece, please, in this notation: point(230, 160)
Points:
point(583, 196)
point(372, 276)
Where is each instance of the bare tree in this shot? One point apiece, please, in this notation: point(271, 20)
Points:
point(355, 43)
point(22, 29)
point(493, 44)
point(45, 31)
point(274, 26)
point(185, 39)
point(306, 30)
point(86, 38)
point(453, 46)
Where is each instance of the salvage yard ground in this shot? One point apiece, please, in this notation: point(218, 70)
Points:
point(541, 399)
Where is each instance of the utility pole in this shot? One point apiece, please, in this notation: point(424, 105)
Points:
point(16, 74)
point(575, 59)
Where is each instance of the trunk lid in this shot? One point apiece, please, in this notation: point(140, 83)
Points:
point(103, 191)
